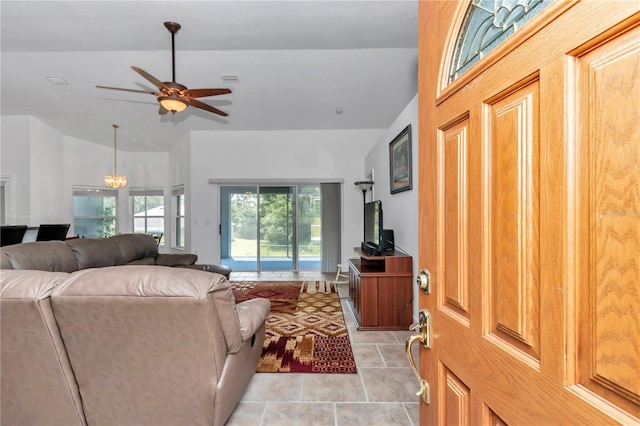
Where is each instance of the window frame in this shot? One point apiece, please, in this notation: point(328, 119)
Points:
point(84, 191)
point(178, 196)
point(139, 192)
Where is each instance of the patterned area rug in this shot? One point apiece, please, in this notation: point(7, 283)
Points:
point(305, 330)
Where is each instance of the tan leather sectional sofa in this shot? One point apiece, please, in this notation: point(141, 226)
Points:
point(123, 345)
point(83, 253)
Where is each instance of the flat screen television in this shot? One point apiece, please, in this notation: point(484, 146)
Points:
point(373, 223)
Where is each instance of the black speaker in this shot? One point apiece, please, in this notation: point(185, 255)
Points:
point(387, 243)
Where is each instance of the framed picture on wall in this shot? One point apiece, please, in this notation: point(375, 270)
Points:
point(400, 162)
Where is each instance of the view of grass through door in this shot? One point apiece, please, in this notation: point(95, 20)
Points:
point(271, 228)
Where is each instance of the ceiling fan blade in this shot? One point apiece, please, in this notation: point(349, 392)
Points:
point(130, 90)
point(155, 81)
point(201, 93)
point(202, 105)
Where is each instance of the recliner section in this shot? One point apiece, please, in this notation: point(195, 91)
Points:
point(131, 344)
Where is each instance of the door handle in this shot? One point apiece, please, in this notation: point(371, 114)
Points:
point(423, 329)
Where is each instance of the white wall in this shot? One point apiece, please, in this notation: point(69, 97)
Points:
point(400, 210)
point(262, 155)
point(15, 153)
point(46, 165)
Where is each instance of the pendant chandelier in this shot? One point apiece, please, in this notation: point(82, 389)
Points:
point(115, 180)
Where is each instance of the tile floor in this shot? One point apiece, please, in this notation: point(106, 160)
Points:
point(382, 393)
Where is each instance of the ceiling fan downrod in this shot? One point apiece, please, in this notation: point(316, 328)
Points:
point(173, 28)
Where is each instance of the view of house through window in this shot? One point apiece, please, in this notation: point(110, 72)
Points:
point(148, 213)
point(94, 212)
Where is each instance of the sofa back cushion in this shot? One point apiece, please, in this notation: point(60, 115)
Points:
point(136, 247)
point(176, 259)
point(38, 384)
point(96, 252)
point(131, 330)
point(5, 263)
point(53, 256)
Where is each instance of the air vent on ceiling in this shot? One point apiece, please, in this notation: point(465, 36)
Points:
point(58, 81)
point(233, 78)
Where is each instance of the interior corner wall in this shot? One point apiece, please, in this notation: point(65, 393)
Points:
point(47, 175)
point(400, 210)
point(283, 155)
point(15, 153)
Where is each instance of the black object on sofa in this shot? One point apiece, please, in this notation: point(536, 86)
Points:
point(83, 253)
point(12, 234)
point(52, 231)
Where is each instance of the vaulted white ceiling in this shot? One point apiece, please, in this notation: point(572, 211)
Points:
point(296, 62)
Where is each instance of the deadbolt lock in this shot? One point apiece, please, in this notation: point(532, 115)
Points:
point(424, 281)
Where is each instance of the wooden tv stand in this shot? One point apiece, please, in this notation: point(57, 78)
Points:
point(380, 293)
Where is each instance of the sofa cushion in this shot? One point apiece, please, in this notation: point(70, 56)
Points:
point(5, 263)
point(38, 384)
point(176, 259)
point(96, 252)
point(143, 261)
point(53, 256)
point(218, 269)
point(135, 246)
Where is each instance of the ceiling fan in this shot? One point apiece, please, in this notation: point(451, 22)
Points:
point(174, 96)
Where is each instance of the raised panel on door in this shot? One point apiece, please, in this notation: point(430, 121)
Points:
point(456, 399)
point(511, 227)
point(454, 217)
point(609, 90)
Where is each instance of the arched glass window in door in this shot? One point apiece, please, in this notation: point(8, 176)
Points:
point(486, 24)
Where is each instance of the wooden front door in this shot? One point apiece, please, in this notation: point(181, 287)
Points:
point(529, 203)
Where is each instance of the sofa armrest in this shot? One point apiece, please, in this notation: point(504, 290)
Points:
point(252, 314)
point(175, 259)
point(218, 269)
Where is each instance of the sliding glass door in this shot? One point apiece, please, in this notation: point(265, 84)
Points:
point(271, 228)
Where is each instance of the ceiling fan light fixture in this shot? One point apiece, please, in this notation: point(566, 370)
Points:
point(173, 104)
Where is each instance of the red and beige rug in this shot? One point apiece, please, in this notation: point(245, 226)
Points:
point(305, 331)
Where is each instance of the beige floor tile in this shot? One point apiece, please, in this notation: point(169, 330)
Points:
point(332, 387)
point(395, 355)
point(247, 414)
point(366, 355)
point(343, 292)
point(274, 387)
point(372, 336)
point(413, 409)
point(384, 379)
point(401, 335)
point(372, 414)
point(389, 384)
point(299, 413)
